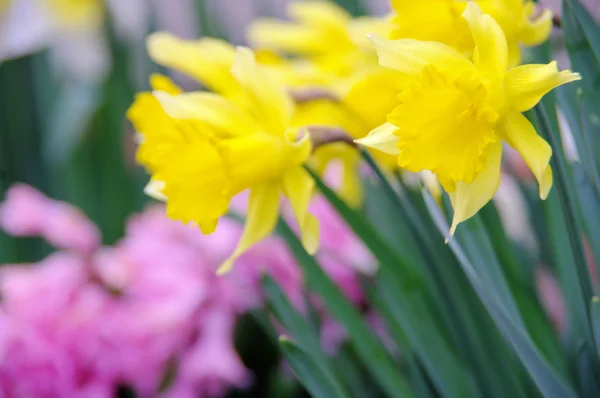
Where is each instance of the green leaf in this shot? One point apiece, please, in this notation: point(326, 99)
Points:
point(475, 241)
point(565, 190)
point(584, 367)
point(409, 270)
point(299, 327)
point(70, 118)
point(368, 347)
point(412, 235)
point(595, 316)
point(538, 368)
point(589, 205)
point(582, 40)
point(409, 313)
point(351, 373)
point(354, 7)
point(587, 25)
point(309, 372)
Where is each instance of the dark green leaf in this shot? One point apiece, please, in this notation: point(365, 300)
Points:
point(368, 347)
point(595, 315)
point(308, 372)
point(299, 328)
point(538, 368)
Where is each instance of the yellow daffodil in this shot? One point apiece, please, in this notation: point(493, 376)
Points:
point(324, 33)
point(455, 114)
point(203, 148)
point(440, 20)
point(209, 62)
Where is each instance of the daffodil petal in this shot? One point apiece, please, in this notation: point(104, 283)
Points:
point(154, 189)
point(263, 211)
point(382, 138)
point(491, 52)
point(274, 105)
point(319, 13)
point(300, 149)
point(283, 36)
point(411, 56)
point(359, 28)
point(209, 108)
point(537, 31)
point(206, 60)
point(469, 198)
point(298, 187)
point(313, 23)
point(514, 53)
point(521, 135)
point(160, 82)
point(526, 84)
point(208, 227)
point(373, 109)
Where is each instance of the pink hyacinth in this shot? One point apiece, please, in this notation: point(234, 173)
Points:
point(27, 212)
point(89, 319)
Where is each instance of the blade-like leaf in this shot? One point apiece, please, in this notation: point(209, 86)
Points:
point(409, 313)
point(589, 28)
point(409, 270)
point(300, 329)
point(542, 374)
point(368, 347)
point(413, 237)
point(595, 315)
point(308, 372)
point(566, 193)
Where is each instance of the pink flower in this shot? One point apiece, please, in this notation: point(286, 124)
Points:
point(211, 364)
point(339, 242)
point(27, 212)
point(22, 213)
point(84, 321)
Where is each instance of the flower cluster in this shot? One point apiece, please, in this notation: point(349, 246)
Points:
point(149, 313)
point(437, 88)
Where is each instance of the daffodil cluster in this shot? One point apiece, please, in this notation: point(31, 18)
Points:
point(434, 87)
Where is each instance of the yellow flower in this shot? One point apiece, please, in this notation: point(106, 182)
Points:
point(455, 114)
point(209, 61)
point(370, 98)
point(203, 148)
point(324, 33)
point(440, 20)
